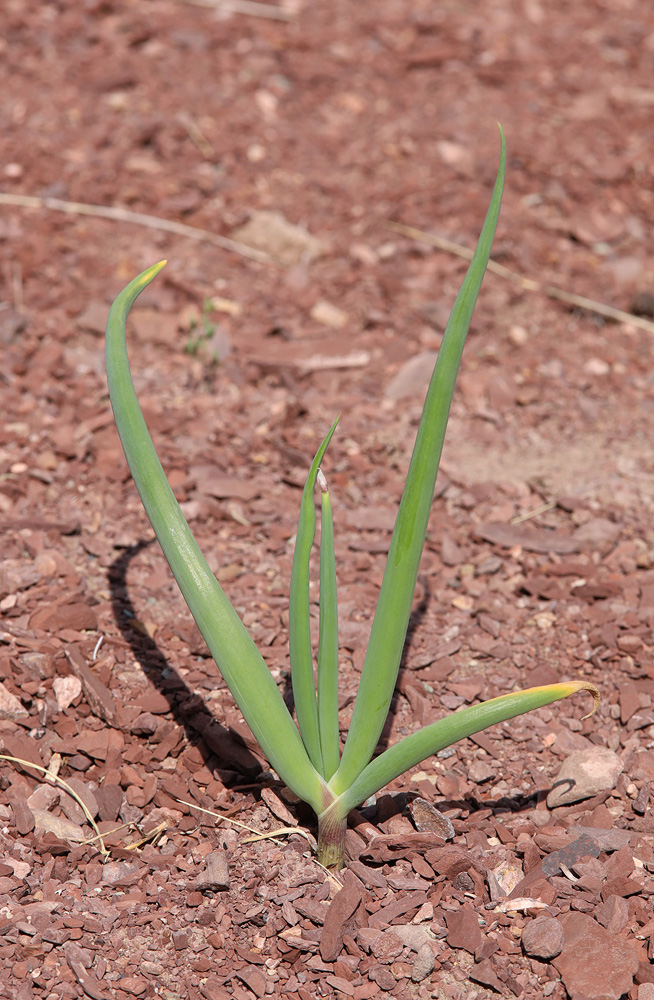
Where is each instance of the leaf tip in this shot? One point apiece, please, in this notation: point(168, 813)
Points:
point(587, 686)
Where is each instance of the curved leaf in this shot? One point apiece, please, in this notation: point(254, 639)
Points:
point(231, 645)
point(418, 746)
point(388, 632)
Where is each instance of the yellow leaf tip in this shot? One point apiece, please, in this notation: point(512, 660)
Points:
point(574, 686)
point(587, 686)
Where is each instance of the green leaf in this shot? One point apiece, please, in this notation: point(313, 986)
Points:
point(236, 655)
point(328, 639)
point(299, 624)
point(388, 633)
point(431, 739)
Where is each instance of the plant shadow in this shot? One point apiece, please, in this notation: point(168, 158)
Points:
point(223, 751)
point(394, 804)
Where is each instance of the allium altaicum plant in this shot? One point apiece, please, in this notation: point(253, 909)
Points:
point(308, 757)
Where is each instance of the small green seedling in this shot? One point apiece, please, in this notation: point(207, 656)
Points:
point(308, 757)
point(201, 330)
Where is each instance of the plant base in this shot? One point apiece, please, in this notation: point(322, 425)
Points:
point(331, 841)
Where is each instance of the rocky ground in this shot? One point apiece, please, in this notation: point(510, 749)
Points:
point(302, 167)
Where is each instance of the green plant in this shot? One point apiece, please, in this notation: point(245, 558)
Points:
point(201, 331)
point(308, 757)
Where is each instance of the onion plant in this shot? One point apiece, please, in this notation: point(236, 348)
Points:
point(308, 757)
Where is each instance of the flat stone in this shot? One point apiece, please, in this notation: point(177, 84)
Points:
point(17, 576)
point(423, 964)
point(23, 815)
point(61, 827)
point(10, 706)
point(503, 879)
point(21, 868)
point(640, 765)
point(543, 938)
point(598, 534)
point(593, 963)
point(645, 973)
point(606, 840)
point(212, 482)
point(216, 873)
point(413, 377)
point(271, 233)
point(44, 797)
point(383, 976)
point(254, 979)
point(93, 318)
point(391, 846)
point(570, 854)
point(152, 326)
point(620, 865)
point(56, 935)
point(213, 990)
point(328, 314)
point(72, 808)
point(109, 798)
point(463, 930)
point(429, 819)
point(585, 774)
point(77, 616)
point(567, 742)
point(485, 974)
point(79, 961)
point(338, 916)
point(366, 936)
point(613, 914)
point(450, 860)
point(144, 725)
point(480, 771)
point(133, 985)
point(413, 936)
point(386, 947)
point(122, 873)
point(100, 699)
point(180, 940)
point(66, 690)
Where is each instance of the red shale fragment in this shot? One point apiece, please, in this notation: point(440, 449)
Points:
point(338, 916)
point(594, 963)
point(463, 930)
point(100, 699)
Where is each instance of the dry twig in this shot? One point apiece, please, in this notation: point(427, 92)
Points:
point(55, 779)
point(536, 512)
point(137, 218)
point(258, 835)
point(245, 7)
point(579, 301)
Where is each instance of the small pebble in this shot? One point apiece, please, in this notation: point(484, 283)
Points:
point(543, 938)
